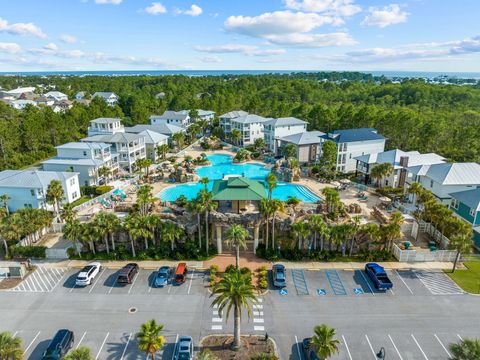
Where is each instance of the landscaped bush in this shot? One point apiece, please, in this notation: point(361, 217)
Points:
point(389, 191)
point(95, 190)
point(264, 356)
point(100, 190)
point(34, 252)
point(213, 269)
point(230, 269)
point(262, 278)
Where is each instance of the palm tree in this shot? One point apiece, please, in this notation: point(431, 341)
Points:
point(149, 339)
point(235, 135)
point(324, 341)
point(467, 349)
point(277, 206)
point(317, 225)
point(206, 199)
point(356, 227)
point(104, 172)
point(4, 200)
point(462, 244)
point(204, 181)
point(110, 223)
point(381, 171)
point(145, 198)
point(206, 355)
point(266, 210)
point(301, 231)
point(234, 291)
point(171, 232)
point(195, 207)
point(162, 151)
point(73, 232)
point(415, 189)
point(10, 347)
point(81, 353)
point(235, 236)
point(89, 234)
point(130, 224)
point(55, 195)
point(68, 212)
point(271, 181)
point(289, 151)
point(179, 138)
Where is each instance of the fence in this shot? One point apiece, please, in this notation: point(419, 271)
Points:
point(423, 255)
point(434, 233)
point(35, 237)
point(56, 254)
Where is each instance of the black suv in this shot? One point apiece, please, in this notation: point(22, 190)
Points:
point(127, 274)
point(59, 346)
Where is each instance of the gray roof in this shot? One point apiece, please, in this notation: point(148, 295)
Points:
point(105, 120)
point(352, 135)
point(249, 119)
point(286, 121)
point(304, 138)
point(234, 114)
point(68, 161)
point(471, 198)
point(104, 94)
point(205, 112)
point(450, 173)
point(114, 138)
point(152, 137)
point(393, 157)
point(32, 178)
point(177, 115)
point(83, 145)
point(165, 129)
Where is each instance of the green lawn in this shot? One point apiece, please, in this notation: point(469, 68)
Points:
point(468, 280)
point(80, 201)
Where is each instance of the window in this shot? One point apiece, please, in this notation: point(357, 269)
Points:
point(454, 204)
point(72, 181)
point(472, 212)
point(74, 194)
point(32, 192)
point(431, 183)
point(29, 206)
point(84, 153)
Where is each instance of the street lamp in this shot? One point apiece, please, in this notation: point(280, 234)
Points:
point(381, 353)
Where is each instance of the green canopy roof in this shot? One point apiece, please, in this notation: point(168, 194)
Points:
point(238, 188)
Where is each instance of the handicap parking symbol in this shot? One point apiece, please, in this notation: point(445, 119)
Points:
point(357, 291)
point(321, 292)
point(283, 292)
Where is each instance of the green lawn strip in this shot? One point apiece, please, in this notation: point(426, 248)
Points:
point(80, 201)
point(468, 280)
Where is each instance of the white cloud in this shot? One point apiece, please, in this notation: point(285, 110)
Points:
point(249, 50)
point(212, 59)
point(69, 39)
point(194, 10)
point(109, 2)
point(11, 48)
point(314, 40)
point(50, 46)
point(386, 16)
point(337, 7)
point(268, 52)
point(23, 29)
point(156, 8)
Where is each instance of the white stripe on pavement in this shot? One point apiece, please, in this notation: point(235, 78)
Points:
point(371, 348)
point(459, 337)
point(81, 339)
point(346, 346)
point(258, 321)
point(101, 347)
point(96, 281)
point(366, 281)
point(134, 280)
point(443, 346)
point(216, 327)
point(126, 345)
point(29, 345)
point(395, 347)
point(258, 328)
point(217, 320)
point(416, 342)
point(191, 280)
point(404, 283)
point(298, 348)
point(258, 313)
point(175, 349)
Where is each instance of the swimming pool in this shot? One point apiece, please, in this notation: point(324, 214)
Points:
point(222, 165)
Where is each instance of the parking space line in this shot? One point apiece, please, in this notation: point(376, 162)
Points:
point(258, 321)
point(31, 343)
point(113, 285)
point(53, 278)
point(134, 280)
point(191, 280)
point(335, 282)
point(403, 281)
point(44, 276)
point(96, 281)
point(299, 281)
point(395, 347)
point(366, 281)
point(175, 348)
point(151, 283)
point(416, 342)
point(443, 346)
point(216, 327)
point(459, 337)
point(34, 279)
point(298, 348)
point(59, 280)
point(15, 333)
point(81, 339)
point(259, 328)
point(126, 346)
point(371, 347)
point(217, 319)
point(39, 280)
point(346, 346)
point(101, 347)
point(258, 313)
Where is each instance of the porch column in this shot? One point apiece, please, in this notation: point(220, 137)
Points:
point(219, 238)
point(255, 238)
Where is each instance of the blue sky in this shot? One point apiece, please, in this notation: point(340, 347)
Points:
point(416, 35)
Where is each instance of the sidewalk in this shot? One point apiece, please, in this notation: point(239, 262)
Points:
point(389, 265)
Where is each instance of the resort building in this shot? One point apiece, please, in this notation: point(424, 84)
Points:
point(466, 204)
point(110, 98)
point(225, 120)
point(177, 118)
point(205, 115)
point(352, 143)
point(445, 178)
point(22, 104)
point(164, 129)
point(80, 95)
point(84, 158)
point(250, 127)
point(44, 100)
point(400, 161)
point(307, 144)
point(56, 95)
point(28, 188)
point(105, 126)
point(152, 141)
point(277, 128)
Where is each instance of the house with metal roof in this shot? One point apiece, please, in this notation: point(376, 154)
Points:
point(250, 127)
point(225, 120)
point(275, 129)
point(446, 178)
point(178, 118)
point(110, 98)
point(105, 126)
point(28, 188)
point(165, 129)
point(238, 194)
point(84, 158)
point(352, 143)
point(56, 95)
point(466, 204)
point(152, 141)
point(400, 161)
point(307, 144)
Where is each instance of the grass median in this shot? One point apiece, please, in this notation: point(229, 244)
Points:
point(468, 279)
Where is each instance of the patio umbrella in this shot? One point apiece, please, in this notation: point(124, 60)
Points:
point(335, 183)
point(345, 181)
point(118, 192)
point(385, 199)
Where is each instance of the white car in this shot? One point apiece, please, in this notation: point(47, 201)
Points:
point(87, 274)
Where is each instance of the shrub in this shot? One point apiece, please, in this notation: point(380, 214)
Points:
point(263, 284)
point(34, 252)
point(264, 356)
point(213, 280)
point(213, 269)
point(230, 269)
point(100, 190)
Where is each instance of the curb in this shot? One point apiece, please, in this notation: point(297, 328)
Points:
point(274, 343)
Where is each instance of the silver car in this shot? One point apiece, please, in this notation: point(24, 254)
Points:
point(184, 348)
point(87, 274)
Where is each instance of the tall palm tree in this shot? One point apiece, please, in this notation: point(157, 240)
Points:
point(300, 231)
point(467, 349)
point(179, 138)
point(208, 205)
point(195, 207)
point(277, 206)
point(149, 339)
point(89, 234)
point(130, 224)
point(289, 151)
point(81, 353)
point(162, 151)
point(68, 212)
point(236, 236)
point(234, 291)
point(111, 223)
point(98, 222)
point(356, 227)
point(171, 232)
point(266, 211)
point(55, 195)
point(10, 347)
point(104, 172)
point(415, 189)
point(271, 181)
point(73, 232)
point(145, 198)
point(324, 341)
point(205, 181)
point(462, 244)
point(4, 200)
point(317, 225)
point(236, 135)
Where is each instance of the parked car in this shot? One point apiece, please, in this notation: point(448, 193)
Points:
point(127, 274)
point(162, 277)
point(59, 345)
point(184, 348)
point(308, 350)
point(181, 273)
point(279, 275)
point(379, 276)
point(87, 274)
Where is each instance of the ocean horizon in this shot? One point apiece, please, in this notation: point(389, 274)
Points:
point(388, 74)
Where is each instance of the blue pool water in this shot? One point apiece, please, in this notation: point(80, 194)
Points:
point(222, 165)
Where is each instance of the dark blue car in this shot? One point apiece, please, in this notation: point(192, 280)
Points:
point(162, 277)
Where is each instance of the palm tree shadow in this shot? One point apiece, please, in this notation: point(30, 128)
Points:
point(116, 349)
point(38, 350)
point(294, 352)
point(111, 281)
point(70, 281)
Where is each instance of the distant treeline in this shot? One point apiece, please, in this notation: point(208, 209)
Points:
point(413, 115)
